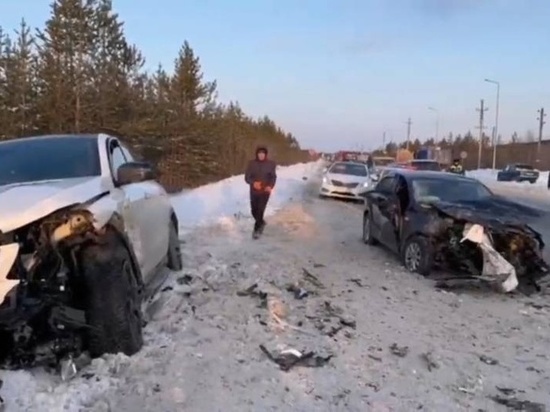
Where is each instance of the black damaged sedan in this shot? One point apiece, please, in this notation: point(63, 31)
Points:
point(454, 223)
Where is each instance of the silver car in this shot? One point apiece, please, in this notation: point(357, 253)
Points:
point(347, 180)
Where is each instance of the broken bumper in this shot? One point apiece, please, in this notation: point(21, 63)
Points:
point(489, 241)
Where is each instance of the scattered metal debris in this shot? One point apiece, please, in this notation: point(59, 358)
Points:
point(311, 278)
point(253, 291)
point(488, 360)
point(431, 362)
point(518, 405)
point(299, 292)
point(400, 351)
point(290, 358)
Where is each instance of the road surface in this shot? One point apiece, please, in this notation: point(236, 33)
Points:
point(398, 343)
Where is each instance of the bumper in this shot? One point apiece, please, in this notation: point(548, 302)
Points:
point(339, 192)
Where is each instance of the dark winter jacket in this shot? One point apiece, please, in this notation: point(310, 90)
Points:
point(263, 171)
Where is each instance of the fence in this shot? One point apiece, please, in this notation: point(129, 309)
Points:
point(508, 153)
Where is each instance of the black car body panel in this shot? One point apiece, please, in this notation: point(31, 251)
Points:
point(396, 216)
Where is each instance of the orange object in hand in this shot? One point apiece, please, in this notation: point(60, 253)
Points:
point(268, 189)
point(257, 185)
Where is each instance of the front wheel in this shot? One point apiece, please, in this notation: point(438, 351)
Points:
point(112, 298)
point(367, 230)
point(174, 249)
point(417, 255)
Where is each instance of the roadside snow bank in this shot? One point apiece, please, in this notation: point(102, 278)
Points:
point(532, 194)
point(490, 176)
point(229, 197)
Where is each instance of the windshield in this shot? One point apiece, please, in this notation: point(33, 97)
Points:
point(31, 160)
point(525, 167)
point(428, 190)
point(423, 165)
point(349, 169)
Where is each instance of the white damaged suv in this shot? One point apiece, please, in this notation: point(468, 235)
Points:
point(85, 231)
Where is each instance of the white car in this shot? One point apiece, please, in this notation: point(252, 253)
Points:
point(347, 180)
point(85, 231)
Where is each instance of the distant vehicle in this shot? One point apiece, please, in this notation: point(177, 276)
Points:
point(347, 180)
point(382, 161)
point(518, 172)
point(423, 164)
point(425, 217)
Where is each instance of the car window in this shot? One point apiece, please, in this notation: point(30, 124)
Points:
point(349, 169)
point(52, 158)
point(386, 184)
point(117, 157)
point(428, 190)
point(524, 167)
point(127, 153)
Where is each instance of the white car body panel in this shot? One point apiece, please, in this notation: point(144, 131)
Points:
point(23, 203)
point(144, 207)
point(8, 254)
point(339, 190)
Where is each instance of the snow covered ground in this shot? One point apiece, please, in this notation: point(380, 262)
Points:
point(228, 198)
point(222, 202)
point(399, 344)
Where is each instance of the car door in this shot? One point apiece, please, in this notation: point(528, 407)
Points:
point(379, 199)
point(390, 216)
point(135, 204)
point(158, 212)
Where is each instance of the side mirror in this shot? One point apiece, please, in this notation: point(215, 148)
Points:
point(135, 172)
point(325, 169)
point(374, 178)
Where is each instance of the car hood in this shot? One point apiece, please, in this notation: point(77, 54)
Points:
point(23, 203)
point(492, 212)
point(346, 178)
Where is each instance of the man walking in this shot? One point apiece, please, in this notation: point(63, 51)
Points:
point(261, 176)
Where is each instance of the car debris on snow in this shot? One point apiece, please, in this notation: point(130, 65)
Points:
point(514, 404)
point(289, 358)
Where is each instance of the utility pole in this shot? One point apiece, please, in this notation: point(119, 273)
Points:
point(436, 122)
point(541, 126)
point(495, 134)
point(384, 141)
point(409, 123)
point(482, 109)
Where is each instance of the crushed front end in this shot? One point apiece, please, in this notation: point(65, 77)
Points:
point(488, 244)
point(41, 307)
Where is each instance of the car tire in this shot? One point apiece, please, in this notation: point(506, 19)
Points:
point(112, 298)
point(532, 181)
point(174, 258)
point(367, 230)
point(417, 255)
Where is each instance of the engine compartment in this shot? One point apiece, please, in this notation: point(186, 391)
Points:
point(516, 243)
point(42, 317)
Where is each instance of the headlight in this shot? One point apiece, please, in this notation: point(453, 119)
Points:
point(325, 180)
point(366, 184)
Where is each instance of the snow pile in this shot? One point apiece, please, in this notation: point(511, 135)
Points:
point(229, 198)
point(489, 176)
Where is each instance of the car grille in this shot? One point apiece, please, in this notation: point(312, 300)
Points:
point(342, 184)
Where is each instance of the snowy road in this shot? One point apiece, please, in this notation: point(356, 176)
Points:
point(403, 345)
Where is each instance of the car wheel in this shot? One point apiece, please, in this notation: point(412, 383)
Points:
point(417, 255)
point(367, 230)
point(532, 181)
point(174, 249)
point(112, 299)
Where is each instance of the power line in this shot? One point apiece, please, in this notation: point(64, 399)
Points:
point(482, 109)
